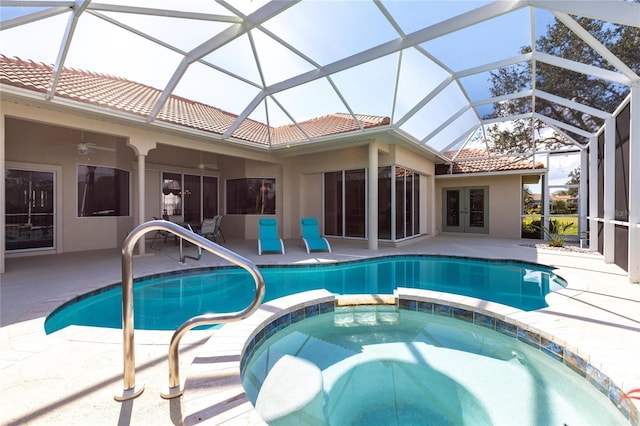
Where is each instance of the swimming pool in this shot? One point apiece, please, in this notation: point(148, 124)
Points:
point(381, 365)
point(166, 301)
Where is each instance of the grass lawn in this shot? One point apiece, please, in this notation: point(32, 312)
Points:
point(572, 230)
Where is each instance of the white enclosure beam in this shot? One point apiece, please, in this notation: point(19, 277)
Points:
point(593, 194)
point(221, 39)
point(634, 187)
point(620, 12)
point(609, 189)
point(581, 68)
point(72, 23)
point(582, 193)
point(373, 197)
point(597, 46)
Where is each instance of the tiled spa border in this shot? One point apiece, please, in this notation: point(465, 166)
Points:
point(500, 318)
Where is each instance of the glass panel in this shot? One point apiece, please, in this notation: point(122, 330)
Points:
point(251, 196)
point(563, 211)
point(416, 204)
point(29, 209)
point(400, 203)
point(192, 199)
point(408, 200)
point(102, 191)
point(333, 203)
point(384, 203)
point(355, 203)
point(532, 203)
point(171, 194)
point(490, 33)
point(209, 197)
point(380, 74)
point(453, 207)
point(476, 208)
point(313, 38)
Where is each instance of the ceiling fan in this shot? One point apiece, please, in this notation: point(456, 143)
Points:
point(86, 148)
point(206, 166)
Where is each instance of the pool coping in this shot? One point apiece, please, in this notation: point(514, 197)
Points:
point(213, 388)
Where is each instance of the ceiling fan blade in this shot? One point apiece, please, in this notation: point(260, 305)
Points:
point(102, 148)
point(208, 166)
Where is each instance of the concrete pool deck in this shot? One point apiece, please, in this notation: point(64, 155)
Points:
point(71, 376)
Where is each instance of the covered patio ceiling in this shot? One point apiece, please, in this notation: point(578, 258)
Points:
point(426, 65)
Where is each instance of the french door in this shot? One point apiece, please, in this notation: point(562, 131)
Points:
point(29, 213)
point(465, 209)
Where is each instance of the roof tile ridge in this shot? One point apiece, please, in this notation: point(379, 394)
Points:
point(25, 62)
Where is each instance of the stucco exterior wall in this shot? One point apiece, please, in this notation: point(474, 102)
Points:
point(504, 201)
point(36, 138)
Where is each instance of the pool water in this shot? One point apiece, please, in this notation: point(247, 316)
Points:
point(165, 302)
point(404, 368)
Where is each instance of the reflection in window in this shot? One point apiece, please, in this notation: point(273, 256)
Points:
point(102, 191)
point(251, 196)
point(192, 198)
point(564, 188)
point(532, 206)
point(345, 203)
point(333, 203)
point(384, 203)
point(407, 185)
point(29, 212)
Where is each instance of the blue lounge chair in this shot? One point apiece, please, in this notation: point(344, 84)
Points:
point(269, 240)
point(311, 235)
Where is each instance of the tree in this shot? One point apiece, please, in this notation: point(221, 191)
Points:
point(623, 41)
point(574, 179)
point(527, 199)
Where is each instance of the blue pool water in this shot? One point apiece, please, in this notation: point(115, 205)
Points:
point(165, 302)
point(383, 366)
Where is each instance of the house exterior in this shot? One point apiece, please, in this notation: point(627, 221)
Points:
point(82, 169)
point(82, 172)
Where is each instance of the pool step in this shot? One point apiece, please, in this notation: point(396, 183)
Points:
point(356, 316)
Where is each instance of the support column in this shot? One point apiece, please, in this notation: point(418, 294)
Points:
point(546, 205)
point(609, 189)
point(3, 172)
point(141, 202)
point(141, 146)
point(593, 194)
point(432, 203)
point(634, 186)
point(373, 197)
point(582, 193)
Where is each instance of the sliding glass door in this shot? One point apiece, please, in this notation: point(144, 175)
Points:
point(345, 203)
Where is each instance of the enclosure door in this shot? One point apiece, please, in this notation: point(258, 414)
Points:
point(465, 209)
point(29, 214)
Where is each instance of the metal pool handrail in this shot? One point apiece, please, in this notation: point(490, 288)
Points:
point(130, 389)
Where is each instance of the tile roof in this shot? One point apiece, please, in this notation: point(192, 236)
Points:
point(474, 160)
point(126, 96)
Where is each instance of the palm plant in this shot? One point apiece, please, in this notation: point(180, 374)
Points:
point(556, 232)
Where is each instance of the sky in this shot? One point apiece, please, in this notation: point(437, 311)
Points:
point(290, 45)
